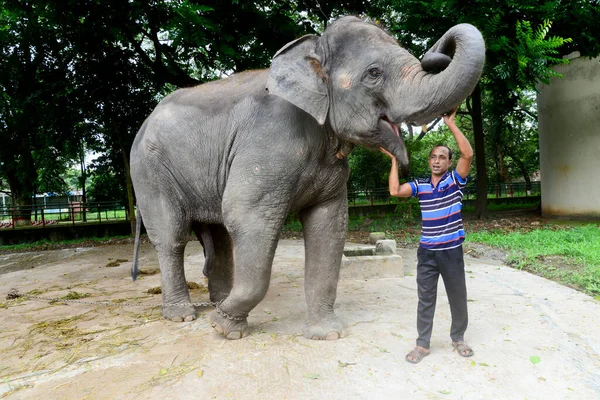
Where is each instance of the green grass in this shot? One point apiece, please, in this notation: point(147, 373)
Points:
point(570, 256)
point(46, 244)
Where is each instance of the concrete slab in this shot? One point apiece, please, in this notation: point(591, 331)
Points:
point(95, 352)
point(377, 266)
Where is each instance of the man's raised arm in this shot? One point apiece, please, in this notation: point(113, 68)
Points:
point(466, 151)
point(396, 189)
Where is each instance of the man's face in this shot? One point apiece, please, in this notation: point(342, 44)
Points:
point(439, 161)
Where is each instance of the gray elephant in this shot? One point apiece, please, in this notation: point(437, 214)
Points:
point(230, 159)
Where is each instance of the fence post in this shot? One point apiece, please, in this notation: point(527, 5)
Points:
point(99, 215)
point(43, 218)
point(12, 216)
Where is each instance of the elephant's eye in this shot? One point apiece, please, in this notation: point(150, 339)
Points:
point(375, 72)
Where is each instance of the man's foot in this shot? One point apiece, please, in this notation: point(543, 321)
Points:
point(417, 354)
point(463, 349)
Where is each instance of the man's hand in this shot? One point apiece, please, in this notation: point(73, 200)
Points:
point(387, 153)
point(449, 117)
point(396, 189)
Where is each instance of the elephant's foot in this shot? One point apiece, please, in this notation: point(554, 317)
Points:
point(231, 329)
point(329, 328)
point(179, 313)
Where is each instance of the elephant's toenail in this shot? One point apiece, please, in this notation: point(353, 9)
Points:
point(234, 335)
point(333, 336)
point(177, 319)
point(189, 318)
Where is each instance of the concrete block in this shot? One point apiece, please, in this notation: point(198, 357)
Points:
point(375, 236)
point(386, 246)
point(378, 266)
point(353, 250)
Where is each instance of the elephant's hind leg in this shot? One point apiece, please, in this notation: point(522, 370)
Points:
point(218, 265)
point(324, 228)
point(175, 295)
point(169, 232)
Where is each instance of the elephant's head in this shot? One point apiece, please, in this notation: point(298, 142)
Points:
point(357, 79)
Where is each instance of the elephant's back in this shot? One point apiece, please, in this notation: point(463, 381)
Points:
point(220, 96)
point(186, 145)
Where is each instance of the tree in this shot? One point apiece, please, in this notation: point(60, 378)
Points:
point(519, 52)
point(36, 107)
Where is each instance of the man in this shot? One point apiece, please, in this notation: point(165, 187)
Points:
point(440, 250)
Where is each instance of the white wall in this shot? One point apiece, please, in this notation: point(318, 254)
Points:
point(569, 129)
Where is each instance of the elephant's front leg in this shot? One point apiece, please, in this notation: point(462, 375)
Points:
point(254, 233)
point(324, 228)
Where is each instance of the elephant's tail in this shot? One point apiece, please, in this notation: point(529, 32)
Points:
point(136, 245)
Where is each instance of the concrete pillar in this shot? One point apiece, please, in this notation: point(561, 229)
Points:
point(569, 133)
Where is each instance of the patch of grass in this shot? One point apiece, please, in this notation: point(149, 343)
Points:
point(116, 263)
point(570, 256)
point(75, 296)
point(155, 290)
point(46, 244)
point(190, 285)
point(149, 271)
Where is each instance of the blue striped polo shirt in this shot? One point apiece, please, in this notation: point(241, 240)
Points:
point(441, 211)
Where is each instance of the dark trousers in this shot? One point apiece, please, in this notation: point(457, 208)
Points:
point(450, 264)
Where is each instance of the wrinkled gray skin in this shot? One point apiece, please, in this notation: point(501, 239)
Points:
point(230, 159)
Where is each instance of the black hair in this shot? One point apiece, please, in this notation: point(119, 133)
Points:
point(442, 145)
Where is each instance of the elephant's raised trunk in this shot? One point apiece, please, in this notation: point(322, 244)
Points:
point(452, 68)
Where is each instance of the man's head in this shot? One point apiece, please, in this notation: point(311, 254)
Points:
point(440, 159)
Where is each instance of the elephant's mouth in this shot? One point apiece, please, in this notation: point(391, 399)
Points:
point(385, 123)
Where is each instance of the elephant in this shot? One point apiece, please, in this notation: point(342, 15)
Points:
point(230, 159)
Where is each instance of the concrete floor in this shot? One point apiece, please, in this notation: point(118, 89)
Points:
point(63, 351)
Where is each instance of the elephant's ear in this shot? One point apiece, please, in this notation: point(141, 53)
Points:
point(298, 77)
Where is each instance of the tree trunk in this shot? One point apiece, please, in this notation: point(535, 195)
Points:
point(524, 172)
point(481, 202)
point(21, 176)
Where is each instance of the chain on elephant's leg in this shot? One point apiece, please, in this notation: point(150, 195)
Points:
point(231, 327)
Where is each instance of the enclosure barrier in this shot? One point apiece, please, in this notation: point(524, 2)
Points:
point(373, 196)
point(75, 212)
point(62, 213)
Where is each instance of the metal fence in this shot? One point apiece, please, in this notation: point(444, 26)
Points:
point(494, 190)
point(76, 212)
point(62, 213)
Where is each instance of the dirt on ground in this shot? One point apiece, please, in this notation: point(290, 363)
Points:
point(103, 336)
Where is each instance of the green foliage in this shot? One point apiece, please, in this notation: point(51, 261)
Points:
point(522, 46)
point(368, 169)
point(530, 54)
point(106, 182)
point(81, 76)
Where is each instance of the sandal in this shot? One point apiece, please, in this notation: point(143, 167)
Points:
point(417, 354)
point(463, 349)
